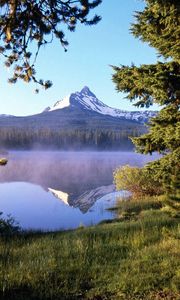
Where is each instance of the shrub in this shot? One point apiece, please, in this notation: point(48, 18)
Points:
point(8, 226)
point(138, 181)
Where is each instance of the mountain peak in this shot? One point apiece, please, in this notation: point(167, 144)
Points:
point(86, 100)
point(85, 90)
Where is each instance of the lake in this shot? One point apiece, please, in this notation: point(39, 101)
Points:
point(51, 190)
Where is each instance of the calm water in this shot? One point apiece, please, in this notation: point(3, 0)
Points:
point(61, 190)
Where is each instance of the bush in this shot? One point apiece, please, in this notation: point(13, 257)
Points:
point(8, 226)
point(136, 180)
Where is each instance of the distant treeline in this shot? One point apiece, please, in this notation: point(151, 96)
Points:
point(28, 138)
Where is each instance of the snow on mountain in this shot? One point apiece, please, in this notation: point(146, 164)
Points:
point(5, 116)
point(85, 99)
point(60, 195)
point(61, 104)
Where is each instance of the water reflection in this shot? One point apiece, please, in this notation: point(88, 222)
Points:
point(85, 201)
point(52, 190)
point(35, 208)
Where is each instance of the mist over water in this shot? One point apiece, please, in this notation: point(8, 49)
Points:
point(52, 190)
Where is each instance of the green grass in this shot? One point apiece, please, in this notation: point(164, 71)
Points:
point(131, 208)
point(128, 259)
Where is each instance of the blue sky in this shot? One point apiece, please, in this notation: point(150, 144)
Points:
point(90, 53)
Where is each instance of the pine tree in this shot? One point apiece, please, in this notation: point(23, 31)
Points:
point(25, 23)
point(158, 25)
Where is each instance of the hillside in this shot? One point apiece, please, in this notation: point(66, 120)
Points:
point(76, 121)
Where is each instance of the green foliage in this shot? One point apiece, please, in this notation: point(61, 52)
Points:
point(139, 205)
point(165, 171)
point(164, 133)
point(125, 260)
point(136, 180)
point(25, 23)
point(132, 208)
point(156, 83)
point(159, 25)
point(8, 226)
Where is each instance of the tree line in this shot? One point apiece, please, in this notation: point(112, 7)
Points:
point(28, 138)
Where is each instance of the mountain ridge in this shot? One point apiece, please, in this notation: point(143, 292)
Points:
point(79, 121)
point(85, 99)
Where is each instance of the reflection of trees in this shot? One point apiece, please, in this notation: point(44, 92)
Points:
point(71, 172)
point(68, 172)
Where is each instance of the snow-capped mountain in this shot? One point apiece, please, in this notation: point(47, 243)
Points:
point(5, 116)
point(86, 100)
point(79, 121)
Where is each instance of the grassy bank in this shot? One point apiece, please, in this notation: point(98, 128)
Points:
point(135, 257)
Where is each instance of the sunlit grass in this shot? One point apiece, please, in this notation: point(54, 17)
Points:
point(131, 259)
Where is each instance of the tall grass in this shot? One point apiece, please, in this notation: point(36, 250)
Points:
point(134, 259)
